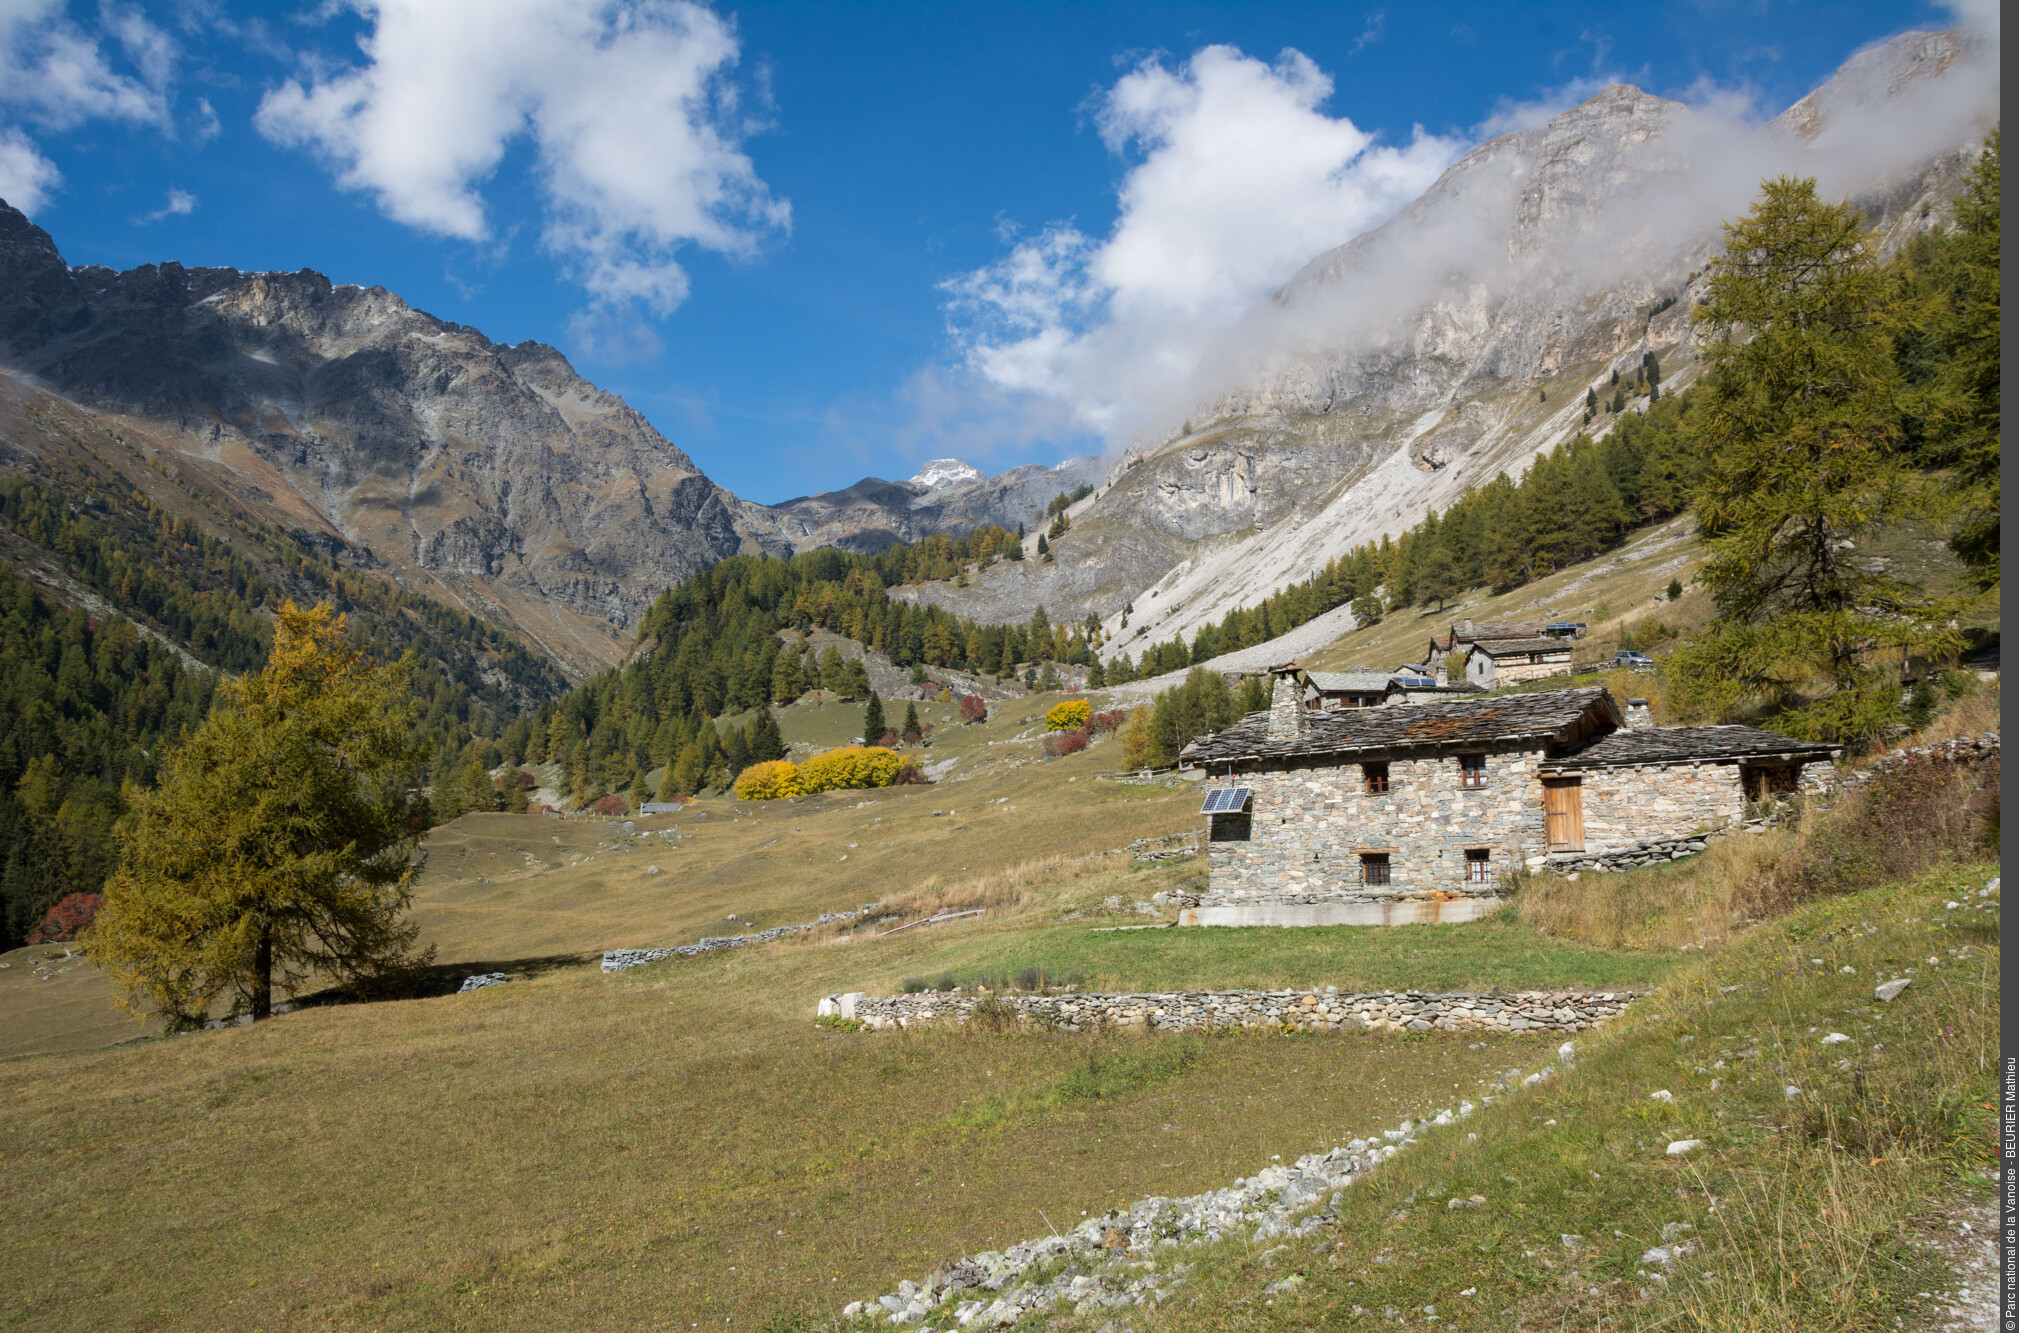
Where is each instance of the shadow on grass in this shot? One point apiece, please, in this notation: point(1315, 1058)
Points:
point(423, 983)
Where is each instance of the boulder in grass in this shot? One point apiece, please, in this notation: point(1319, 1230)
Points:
point(1890, 991)
point(1683, 1147)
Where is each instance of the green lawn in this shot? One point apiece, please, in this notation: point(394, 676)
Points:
point(1497, 953)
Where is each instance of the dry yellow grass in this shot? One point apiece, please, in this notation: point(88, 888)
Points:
point(672, 1145)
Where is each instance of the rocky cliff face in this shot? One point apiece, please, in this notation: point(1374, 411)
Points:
point(490, 476)
point(1458, 339)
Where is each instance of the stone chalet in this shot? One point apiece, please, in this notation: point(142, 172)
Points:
point(1364, 687)
point(1496, 662)
point(1418, 812)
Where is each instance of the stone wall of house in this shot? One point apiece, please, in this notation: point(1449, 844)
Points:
point(1626, 806)
point(1483, 670)
point(1325, 1010)
point(1309, 824)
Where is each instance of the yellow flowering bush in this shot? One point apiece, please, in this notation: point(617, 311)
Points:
point(1071, 715)
point(769, 781)
point(849, 767)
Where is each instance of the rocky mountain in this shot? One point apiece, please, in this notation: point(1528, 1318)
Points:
point(1458, 339)
point(490, 477)
point(948, 496)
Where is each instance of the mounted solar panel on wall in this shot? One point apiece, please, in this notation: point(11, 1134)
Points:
point(1225, 801)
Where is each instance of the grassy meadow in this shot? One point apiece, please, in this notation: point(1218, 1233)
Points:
point(1827, 1168)
point(680, 1146)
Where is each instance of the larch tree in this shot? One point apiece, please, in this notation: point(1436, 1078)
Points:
point(280, 844)
point(1800, 434)
point(1962, 402)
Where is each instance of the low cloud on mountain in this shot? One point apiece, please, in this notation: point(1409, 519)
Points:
point(1242, 179)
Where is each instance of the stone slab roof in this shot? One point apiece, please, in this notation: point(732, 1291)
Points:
point(1509, 647)
point(1676, 745)
point(1472, 631)
point(1548, 715)
point(1363, 679)
point(1452, 687)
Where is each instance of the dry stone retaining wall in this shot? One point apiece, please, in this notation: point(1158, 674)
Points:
point(616, 960)
point(1324, 1010)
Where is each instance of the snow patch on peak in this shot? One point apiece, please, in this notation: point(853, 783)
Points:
point(946, 472)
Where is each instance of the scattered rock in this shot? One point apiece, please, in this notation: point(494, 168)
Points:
point(479, 982)
point(1683, 1146)
point(1890, 991)
point(1835, 1039)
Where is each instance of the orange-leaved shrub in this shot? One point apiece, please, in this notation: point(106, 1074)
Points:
point(973, 708)
point(769, 781)
point(849, 767)
point(612, 805)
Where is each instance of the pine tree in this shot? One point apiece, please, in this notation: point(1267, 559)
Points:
point(1801, 433)
point(765, 742)
point(1590, 400)
point(873, 725)
point(911, 732)
point(279, 845)
point(1437, 579)
point(1044, 548)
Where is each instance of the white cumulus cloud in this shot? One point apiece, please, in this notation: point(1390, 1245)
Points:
point(56, 75)
point(635, 126)
point(26, 177)
point(1238, 177)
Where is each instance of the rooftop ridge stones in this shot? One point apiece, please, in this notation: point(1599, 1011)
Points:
point(1669, 745)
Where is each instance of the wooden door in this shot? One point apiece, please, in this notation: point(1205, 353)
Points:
point(1563, 813)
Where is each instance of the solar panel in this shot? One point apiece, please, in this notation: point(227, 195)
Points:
point(1225, 801)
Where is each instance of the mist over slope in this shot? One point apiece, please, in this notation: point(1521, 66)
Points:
point(1457, 339)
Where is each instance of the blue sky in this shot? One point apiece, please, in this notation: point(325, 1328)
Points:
point(813, 242)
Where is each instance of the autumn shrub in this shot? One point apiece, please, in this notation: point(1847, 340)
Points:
point(849, 767)
point(1071, 715)
point(1106, 724)
point(1065, 742)
point(769, 781)
point(909, 774)
point(973, 709)
point(71, 914)
point(612, 805)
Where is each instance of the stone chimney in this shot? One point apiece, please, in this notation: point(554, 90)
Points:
point(1286, 709)
point(1639, 717)
point(1444, 669)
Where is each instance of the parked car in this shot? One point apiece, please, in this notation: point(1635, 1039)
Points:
point(1627, 659)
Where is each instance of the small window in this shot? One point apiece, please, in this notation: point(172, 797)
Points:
point(1373, 867)
point(1472, 770)
point(1479, 866)
point(1377, 780)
